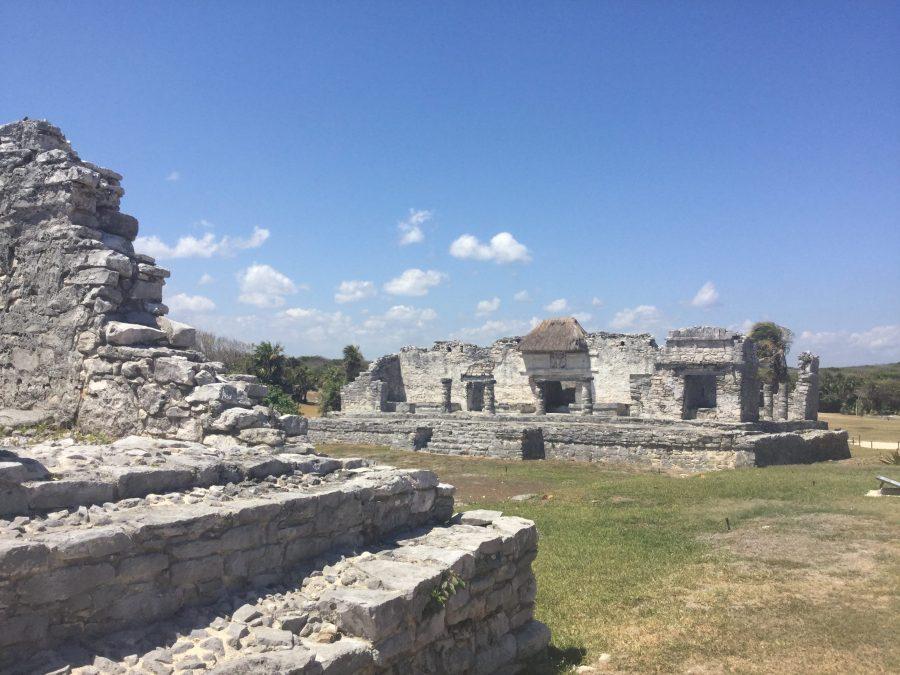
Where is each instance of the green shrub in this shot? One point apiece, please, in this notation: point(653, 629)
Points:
point(282, 402)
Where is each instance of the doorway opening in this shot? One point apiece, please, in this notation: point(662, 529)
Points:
point(558, 396)
point(699, 394)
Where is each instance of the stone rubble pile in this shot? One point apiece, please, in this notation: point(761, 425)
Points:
point(84, 334)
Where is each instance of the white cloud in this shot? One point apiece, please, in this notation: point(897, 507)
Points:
point(706, 297)
point(411, 227)
point(206, 246)
point(493, 329)
point(487, 306)
point(205, 279)
point(522, 296)
point(173, 176)
point(744, 326)
point(597, 302)
point(878, 344)
point(182, 302)
point(400, 316)
point(558, 305)
point(582, 317)
point(264, 286)
point(352, 291)
point(414, 282)
point(642, 317)
point(503, 248)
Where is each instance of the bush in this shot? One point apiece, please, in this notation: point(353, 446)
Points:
point(281, 401)
point(330, 389)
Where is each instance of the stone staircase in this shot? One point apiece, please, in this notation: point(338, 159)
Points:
point(159, 556)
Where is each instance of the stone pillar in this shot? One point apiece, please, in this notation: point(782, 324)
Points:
point(781, 402)
point(805, 400)
point(446, 388)
point(540, 404)
point(768, 401)
point(587, 399)
point(490, 406)
point(469, 394)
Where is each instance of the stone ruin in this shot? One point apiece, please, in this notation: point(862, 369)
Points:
point(695, 404)
point(209, 536)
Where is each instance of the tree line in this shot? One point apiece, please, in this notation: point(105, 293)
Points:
point(290, 378)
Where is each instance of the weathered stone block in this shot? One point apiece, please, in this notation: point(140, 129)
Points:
point(119, 333)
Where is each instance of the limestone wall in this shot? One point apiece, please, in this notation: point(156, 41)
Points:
point(614, 358)
point(83, 331)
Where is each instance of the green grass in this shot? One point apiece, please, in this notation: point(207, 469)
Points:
point(642, 565)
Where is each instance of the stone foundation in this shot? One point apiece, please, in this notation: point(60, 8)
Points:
point(666, 444)
point(251, 562)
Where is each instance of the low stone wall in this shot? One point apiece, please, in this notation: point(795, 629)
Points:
point(665, 444)
point(154, 557)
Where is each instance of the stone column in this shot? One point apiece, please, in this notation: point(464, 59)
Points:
point(768, 401)
point(781, 402)
point(587, 399)
point(469, 394)
point(446, 387)
point(540, 404)
point(489, 403)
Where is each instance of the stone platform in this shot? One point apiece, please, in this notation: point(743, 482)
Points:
point(164, 556)
point(682, 445)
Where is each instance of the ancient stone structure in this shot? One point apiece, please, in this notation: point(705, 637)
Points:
point(705, 373)
point(83, 332)
point(692, 405)
point(212, 539)
point(158, 555)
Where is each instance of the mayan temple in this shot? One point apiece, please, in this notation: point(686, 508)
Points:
point(205, 535)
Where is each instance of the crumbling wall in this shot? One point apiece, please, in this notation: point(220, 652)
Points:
point(83, 331)
point(701, 352)
point(615, 357)
point(423, 369)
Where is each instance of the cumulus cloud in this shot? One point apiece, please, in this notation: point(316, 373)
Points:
point(582, 317)
point(353, 291)
point(414, 282)
point(706, 297)
point(411, 227)
point(502, 248)
point(182, 302)
point(264, 286)
point(205, 279)
point(877, 344)
point(206, 246)
point(642, 317)
point(173, 176)
point(400, 316)
point(493, 329)
point(522, 296)
point(487, 306)
point(597, 302)
point(558, 305)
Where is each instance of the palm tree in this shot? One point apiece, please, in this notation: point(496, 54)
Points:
point(353, 362)
point(268, 362)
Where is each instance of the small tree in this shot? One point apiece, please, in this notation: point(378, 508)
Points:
point(772, 345)
point(353, 362)
point(269, 362)
point(330, 384)
point(300, 379)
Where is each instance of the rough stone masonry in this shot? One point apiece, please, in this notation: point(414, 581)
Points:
point(210, 539)
point(84, 337)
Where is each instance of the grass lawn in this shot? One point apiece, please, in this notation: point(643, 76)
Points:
point(643, 567)
point(869, 428)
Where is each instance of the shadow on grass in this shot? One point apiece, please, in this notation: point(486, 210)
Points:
point(555, 660)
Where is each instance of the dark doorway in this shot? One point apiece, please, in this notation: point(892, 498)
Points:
point(533, 444)
point(422, 438)
point(475, 396)
point(699, 392)
point(557, 397)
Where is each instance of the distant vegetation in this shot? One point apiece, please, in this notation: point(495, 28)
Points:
point(289, 378)
point(860, 390)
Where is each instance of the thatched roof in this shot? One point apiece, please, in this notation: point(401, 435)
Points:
point(555, 335)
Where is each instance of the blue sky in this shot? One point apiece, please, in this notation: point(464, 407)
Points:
point(327, 173)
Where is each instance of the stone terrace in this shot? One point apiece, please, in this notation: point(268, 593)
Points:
point(149, 555)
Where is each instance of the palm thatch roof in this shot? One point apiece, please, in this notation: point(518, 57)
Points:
point(564, 334)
